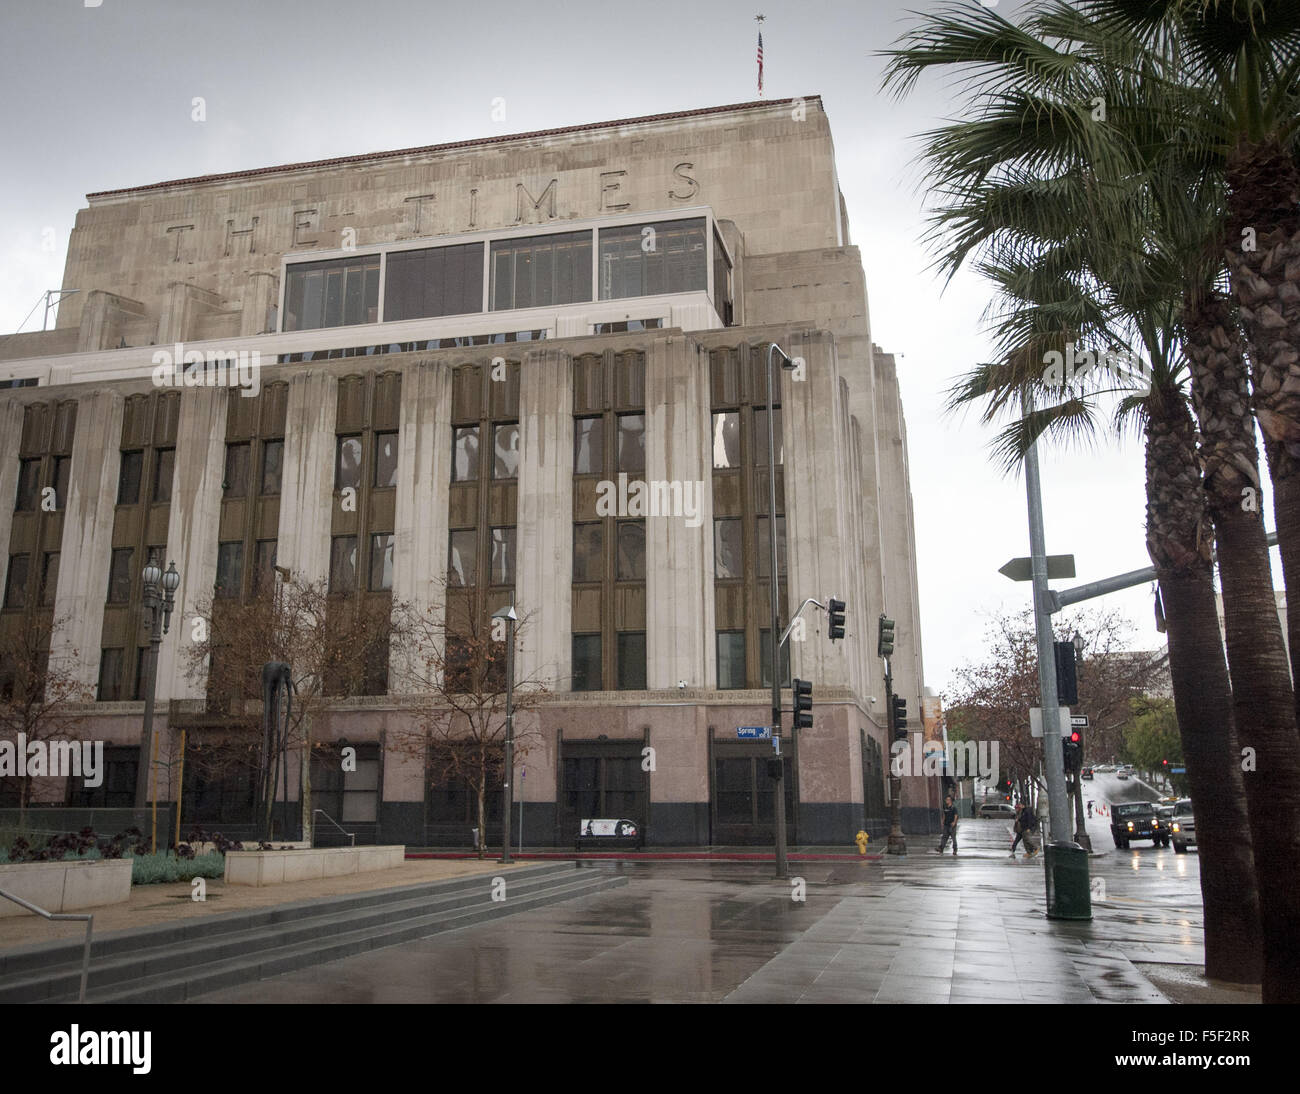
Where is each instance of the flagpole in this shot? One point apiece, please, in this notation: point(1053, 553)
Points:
point(759, 20)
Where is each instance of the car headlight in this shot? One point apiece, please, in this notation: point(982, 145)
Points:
point(1177, 827)
point(1130, 825)
point(1155, 824)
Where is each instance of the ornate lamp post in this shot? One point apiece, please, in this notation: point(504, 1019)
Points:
point(155, 581)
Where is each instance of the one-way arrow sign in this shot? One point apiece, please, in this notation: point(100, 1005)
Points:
point(1021, 569)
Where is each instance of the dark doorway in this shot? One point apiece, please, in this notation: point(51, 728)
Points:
point(744, 799)
point(601, 780)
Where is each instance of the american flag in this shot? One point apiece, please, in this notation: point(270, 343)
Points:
point(760, 62)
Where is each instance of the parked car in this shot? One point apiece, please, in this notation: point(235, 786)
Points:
point(1183, 827)
point(1137, 820)
point(996, 809)
point(1086, 773)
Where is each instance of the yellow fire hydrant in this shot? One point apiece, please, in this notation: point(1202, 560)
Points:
point(862, 839)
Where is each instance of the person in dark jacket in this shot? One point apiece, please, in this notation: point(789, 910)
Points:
point(1026, 822)
point(949, 825)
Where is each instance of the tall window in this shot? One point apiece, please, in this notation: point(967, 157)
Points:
point(340, 292)
point(343, 564)
point(16, 581)
point(29, 485)
point(235, 482)
point(650, 259)
point(119, 575)
point(742, 523)
point(541, 271)
point(609, 552)
point(272, 467)
point(128, 483)
point(163, 467)
point(433, 281)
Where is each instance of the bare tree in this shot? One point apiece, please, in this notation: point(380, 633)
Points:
point(456, 674)
point(990, 699)
point(337, 646)
point(37, 693)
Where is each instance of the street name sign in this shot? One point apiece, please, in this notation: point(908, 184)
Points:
point(1022, 569)
point(1078, 721)
point(754, 733)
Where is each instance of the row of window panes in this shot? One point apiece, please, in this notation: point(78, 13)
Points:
point(28, 498)
point(505, 452)
point(589, 444)
point(230, 567)
point(462, 341)
point(731, 659)
point(462, 557)
point(631, 661)
point(128, 483)
point(239, 472)
point(343, 563)
point(726, 438)
point(347, 462)
point(110, 675)
point(589, 551)
point(19, 574)
point(728, 560)
point(526, 272)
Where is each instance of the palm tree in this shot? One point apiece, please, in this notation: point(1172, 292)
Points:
point(1238, 61)
point(1027, 129)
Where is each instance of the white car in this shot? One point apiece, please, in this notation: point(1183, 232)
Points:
point(1122, 773)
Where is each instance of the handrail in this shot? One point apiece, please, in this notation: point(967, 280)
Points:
point(351, 835)
point(90, 926)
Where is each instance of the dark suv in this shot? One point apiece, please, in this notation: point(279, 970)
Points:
point(1137, 820)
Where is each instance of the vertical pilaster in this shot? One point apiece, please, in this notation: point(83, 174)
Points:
point(307, 487)
point(817, 523)
point(420, 528)
point(192, 529)
point(86, 549)
point(544, 568)
point(11, 439)
point(679, 545)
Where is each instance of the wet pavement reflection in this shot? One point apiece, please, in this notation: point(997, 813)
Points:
point(921, 928)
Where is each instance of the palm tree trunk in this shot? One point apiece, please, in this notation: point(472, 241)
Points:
point(1178, 540)
point(1263, 254)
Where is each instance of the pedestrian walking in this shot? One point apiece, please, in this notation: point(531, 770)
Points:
point(1026, 824)
point(949, 825)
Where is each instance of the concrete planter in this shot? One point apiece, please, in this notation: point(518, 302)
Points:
point(65, 886)
point(278, 867)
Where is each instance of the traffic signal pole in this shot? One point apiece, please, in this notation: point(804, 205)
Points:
point(1058, 802)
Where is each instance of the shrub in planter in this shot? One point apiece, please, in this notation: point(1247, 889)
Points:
point(165, 867)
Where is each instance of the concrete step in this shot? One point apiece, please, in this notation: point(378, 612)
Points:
point(181, 985)
point(159, 955)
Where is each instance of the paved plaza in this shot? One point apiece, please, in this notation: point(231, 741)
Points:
point(923, 928)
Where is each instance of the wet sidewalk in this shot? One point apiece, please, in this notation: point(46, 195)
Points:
point(920, 928)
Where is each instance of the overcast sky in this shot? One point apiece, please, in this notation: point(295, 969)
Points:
point(99, 97)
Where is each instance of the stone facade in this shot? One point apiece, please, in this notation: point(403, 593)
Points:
point(203, 263)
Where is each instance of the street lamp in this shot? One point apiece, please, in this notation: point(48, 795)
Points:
point(508, 614)
point(154, 580)
point(787, 363)
point(1079, 643)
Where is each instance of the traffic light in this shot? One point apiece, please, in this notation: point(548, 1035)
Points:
point(1072, 751)
point(885, 643)
point(802, 705)
point(900, 718)
point(835, 609)
point(1067, 682)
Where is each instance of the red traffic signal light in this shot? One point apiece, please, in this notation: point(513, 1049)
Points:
point(1075, 737)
